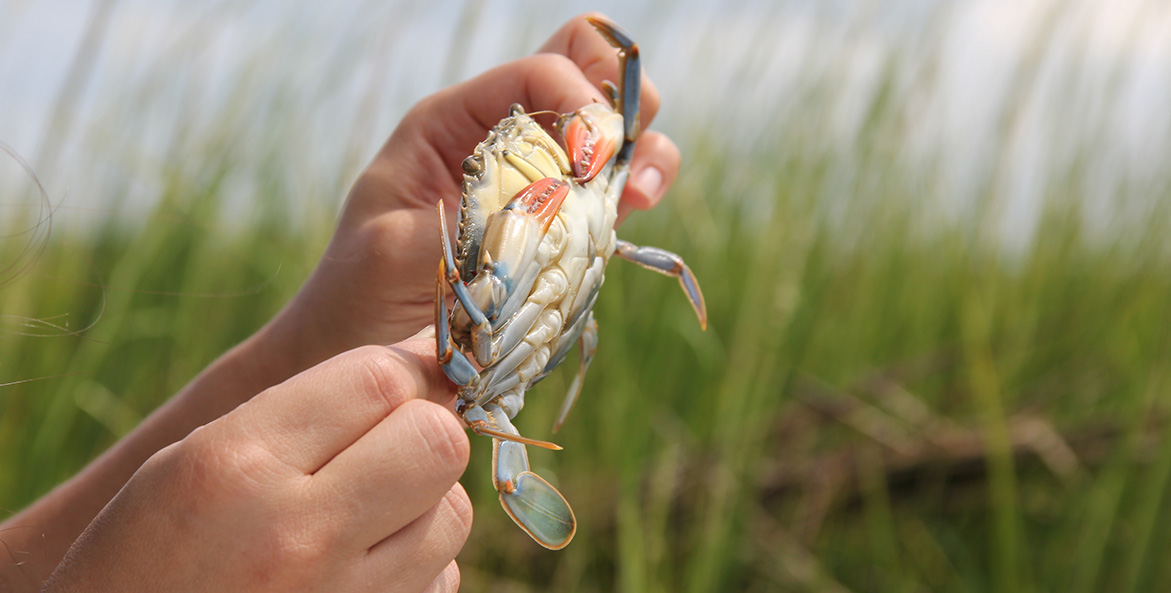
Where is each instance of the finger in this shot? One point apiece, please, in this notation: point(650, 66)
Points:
point(445, 127)
point(446, 582)
point(653, 170)
point(427, 547)
point(581, 43)
point(307, 420)
point(394, 473)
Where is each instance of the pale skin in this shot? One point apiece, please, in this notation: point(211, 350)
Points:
point(305, 459)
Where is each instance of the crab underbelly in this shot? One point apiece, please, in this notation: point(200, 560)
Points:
point(533, 341)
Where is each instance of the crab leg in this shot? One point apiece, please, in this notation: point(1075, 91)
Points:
point(630, 75)
point(482, 334)
point(454, 363)
point(669, 264)
point(535, 505)
point(588, 345)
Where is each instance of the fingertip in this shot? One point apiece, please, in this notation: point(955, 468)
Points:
point(647, 187)
point(447, 581)
point(653, 170)
point(461, 507)
point(444, 435)
point(422, 345)
point(449, 123)
point(419, 352)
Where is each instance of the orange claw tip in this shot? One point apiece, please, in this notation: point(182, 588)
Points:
point(541, 195)
point(543, 198)
point(588, 152)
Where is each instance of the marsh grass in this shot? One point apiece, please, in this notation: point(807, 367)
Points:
point(890, 395)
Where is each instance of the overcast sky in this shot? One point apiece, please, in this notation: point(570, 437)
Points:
point(728, 65)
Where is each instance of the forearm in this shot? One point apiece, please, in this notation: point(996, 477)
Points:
point(37, 538)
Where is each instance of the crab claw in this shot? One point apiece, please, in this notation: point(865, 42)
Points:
point(541, 199)
point(512, 234)
point(588, 146)
point(629, 95)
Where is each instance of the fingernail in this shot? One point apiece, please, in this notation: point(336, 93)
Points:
point(650, 182)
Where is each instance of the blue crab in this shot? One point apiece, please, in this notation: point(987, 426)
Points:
point(536, 230)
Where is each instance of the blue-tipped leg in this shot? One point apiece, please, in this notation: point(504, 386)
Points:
point(630, 82)
point(668, 264)
point(535, 505)
point(482, 332)
point(587, 344)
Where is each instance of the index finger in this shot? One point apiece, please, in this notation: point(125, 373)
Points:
point(311, 418)
point(444, 127)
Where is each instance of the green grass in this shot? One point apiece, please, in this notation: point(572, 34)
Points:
point(887, 398)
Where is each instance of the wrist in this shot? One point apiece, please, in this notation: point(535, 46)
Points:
point(264, 359)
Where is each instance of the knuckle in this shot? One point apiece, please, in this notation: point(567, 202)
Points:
point(212, 471)
point(164, 464)
point(381, 373)
point(380, 241)
point(424, 108)
point(298, 545)
point(186, 474)
point(282, 558)
point(192, 464)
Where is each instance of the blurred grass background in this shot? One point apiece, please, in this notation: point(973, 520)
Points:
point(932, 237)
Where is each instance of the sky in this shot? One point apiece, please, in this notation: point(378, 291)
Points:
point(733, 70)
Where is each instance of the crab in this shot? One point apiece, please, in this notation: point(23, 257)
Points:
point(536, 230)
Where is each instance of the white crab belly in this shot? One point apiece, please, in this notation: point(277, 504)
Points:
point(575, 251)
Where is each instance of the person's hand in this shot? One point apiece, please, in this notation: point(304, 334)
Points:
point(376, 282)
point(333, 478)
point(343, 478)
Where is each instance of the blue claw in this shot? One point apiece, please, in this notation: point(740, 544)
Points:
point(630, 73)
point(454, 363)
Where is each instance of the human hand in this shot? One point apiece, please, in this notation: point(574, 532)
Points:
point(343, 478)
point(376, 282)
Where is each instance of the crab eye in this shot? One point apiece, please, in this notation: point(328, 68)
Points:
point(472, 166)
